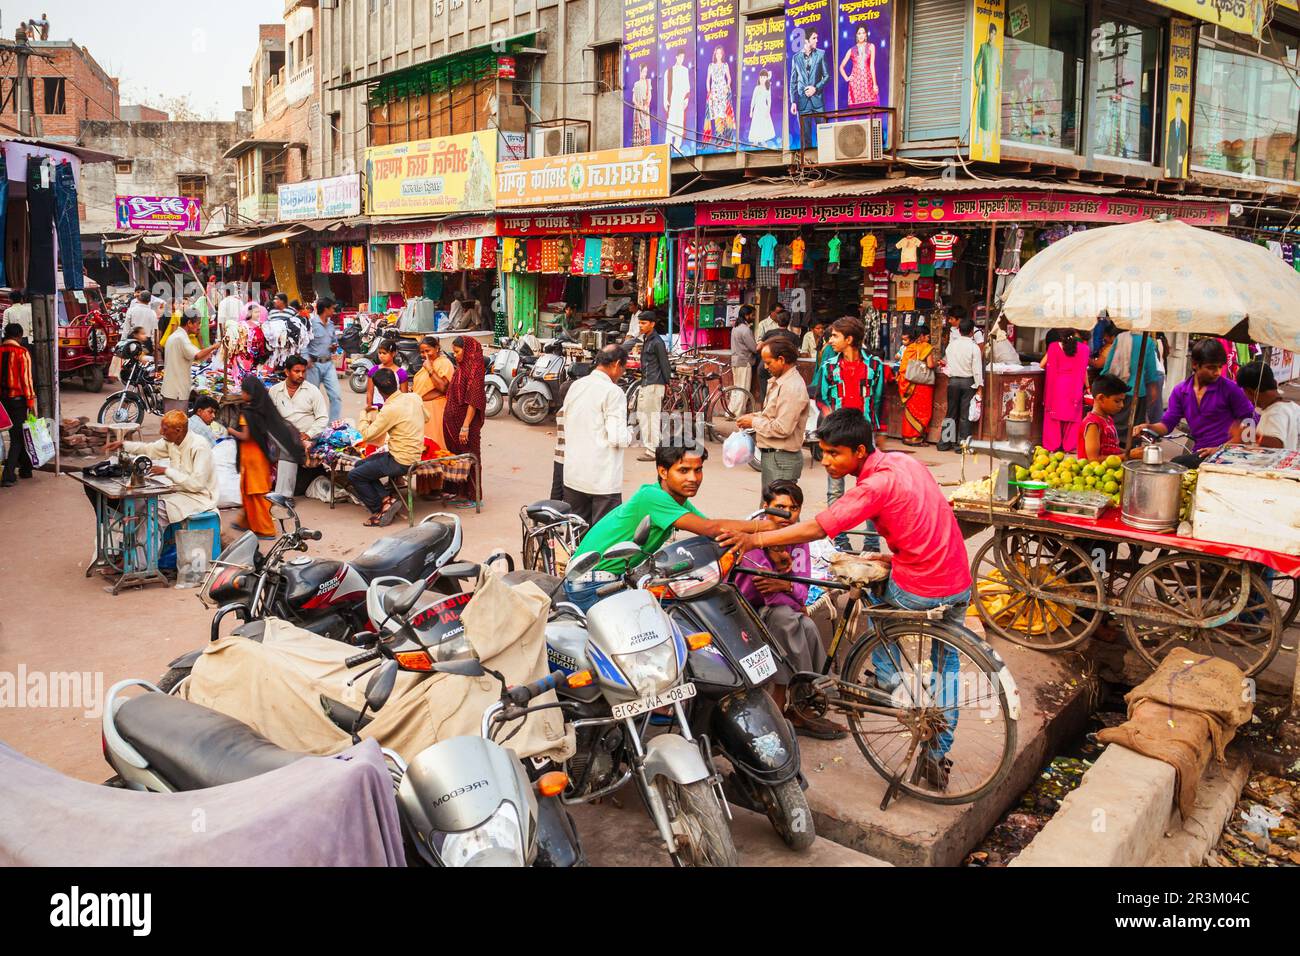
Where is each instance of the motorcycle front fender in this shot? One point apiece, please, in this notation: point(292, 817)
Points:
point(751, 732)
point(557, 841)
point(674, 757)
point(497, 382)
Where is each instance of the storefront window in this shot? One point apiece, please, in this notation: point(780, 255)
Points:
point(1042, 90)
point(1127, 75)
point(1247, 104)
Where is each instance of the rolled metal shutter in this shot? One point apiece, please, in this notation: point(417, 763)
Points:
point(938, 71)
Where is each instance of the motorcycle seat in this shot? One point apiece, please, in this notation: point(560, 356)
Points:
point(394, 553)
point(548, 511)
point(192, 747)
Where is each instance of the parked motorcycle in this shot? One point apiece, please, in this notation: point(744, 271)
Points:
point(542, 393)
point(141, 390)
point(509, 368)
point(732, 708)
point(465, 801)
point(324, 595)
point(639, 656)
point(408, 356)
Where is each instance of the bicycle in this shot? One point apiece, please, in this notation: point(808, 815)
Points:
point(907, 683)
point(550, 536)
point(690, 396)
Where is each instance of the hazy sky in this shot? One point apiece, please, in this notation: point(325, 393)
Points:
point(158, 48)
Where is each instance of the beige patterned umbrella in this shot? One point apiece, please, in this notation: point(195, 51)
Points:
point(1159, 276)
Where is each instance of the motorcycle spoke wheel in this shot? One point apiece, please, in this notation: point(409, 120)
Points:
point(122, 409)
point(1171, 594)
point(699, 823)
point(943, 684)
point(723, 409)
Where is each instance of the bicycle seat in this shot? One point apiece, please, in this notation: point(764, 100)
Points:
point(549, 510)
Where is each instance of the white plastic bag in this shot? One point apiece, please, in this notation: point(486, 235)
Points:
point(738, 449)
point(40, 444)
point(193, 556)
point(223, 457)
point(976, 408)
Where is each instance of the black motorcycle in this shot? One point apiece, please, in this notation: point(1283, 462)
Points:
point(141, 391)
point(732, 709)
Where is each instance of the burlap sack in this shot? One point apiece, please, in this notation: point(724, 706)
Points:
point(1190, 707)
point(274, 686)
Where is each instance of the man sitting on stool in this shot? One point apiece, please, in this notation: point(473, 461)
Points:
point(402, 419)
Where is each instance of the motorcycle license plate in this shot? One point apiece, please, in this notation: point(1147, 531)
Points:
point(760, 665)
point(671, 696)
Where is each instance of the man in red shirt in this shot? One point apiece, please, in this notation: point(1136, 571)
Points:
point(18, 396)
point(929, 566)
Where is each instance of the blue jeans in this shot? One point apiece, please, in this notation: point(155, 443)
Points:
point(582, 593)
point(870, 540)
point(67, 227)
point(323, 374)
point(945, 676)
point(367, 479)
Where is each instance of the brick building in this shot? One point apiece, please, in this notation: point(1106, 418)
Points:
point(65, 90)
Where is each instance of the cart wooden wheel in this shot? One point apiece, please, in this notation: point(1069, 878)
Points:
point(1170, 596)
point(1286, 591)
point(1011, 562)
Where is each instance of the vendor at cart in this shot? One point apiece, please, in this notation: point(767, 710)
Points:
point(1215, 408)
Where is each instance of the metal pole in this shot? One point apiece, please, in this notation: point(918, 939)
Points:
point(1137, 390)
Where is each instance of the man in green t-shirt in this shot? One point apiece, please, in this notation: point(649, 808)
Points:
point(667, 505)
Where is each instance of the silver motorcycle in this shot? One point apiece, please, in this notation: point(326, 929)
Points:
point(638, 657)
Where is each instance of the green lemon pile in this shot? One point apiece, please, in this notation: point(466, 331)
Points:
point(1068, 473)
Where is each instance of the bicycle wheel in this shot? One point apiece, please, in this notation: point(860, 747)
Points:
point(723, 409)
point(963, 727)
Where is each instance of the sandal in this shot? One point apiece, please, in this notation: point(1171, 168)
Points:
point(373, 521)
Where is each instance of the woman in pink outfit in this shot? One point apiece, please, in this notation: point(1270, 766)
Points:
point(1066, 372)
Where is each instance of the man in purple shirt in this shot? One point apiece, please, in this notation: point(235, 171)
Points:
point(1215, 408)
point(780, 604)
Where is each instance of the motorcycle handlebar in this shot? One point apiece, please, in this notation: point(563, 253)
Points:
point(365, 657)
point(522, 694)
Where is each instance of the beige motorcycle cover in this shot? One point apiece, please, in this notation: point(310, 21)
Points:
point(275, 686)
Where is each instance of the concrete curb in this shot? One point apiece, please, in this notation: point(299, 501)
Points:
point(1123, 815)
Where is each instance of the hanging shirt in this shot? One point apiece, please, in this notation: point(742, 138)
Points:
point(907, 246)
point(943, 243)
point(712, 260)
point(591, 257)
point(868, 244)
point(833, 249)
point(767, 251)
point(737, 249)
point(796, 253)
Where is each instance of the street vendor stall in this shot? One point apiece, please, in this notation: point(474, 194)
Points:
point(1223, 583)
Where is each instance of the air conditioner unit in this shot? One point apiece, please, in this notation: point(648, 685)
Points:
point(856, 141)
point(557, 141)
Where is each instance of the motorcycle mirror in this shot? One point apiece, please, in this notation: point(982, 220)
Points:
point(642, 532)
point(623, 551)
point(282, 508)
point(400, 599)
point(582, 565)
point(466, 667)
point(380, 686)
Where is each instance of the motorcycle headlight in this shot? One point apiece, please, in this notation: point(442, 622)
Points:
point(497, 841)
point(651, 670)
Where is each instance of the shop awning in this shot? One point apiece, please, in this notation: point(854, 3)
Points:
point(245, 145)
point(451, 63)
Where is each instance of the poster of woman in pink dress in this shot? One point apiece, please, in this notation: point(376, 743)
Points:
point(858, 70)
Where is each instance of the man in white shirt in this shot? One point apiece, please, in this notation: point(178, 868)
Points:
point(1279, 420)
point(231, 308)
point(303, 406)
point(596, 409)
point(142, 315)
point(185, 459)
point(20, 313)
point(179, 356)
point(965, 370)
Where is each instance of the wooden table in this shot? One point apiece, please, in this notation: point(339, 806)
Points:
point(128, 538)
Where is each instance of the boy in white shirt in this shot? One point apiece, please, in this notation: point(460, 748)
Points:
point(1279, 420)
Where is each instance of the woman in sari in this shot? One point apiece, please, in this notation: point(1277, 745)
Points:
point(918, 400)
point(462, 418)
point(431, 384)
point(262, 432)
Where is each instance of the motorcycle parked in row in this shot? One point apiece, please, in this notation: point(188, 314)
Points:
point(464, 801)
point(542, 393)
point(639, 656)
point(508, 370)
point(141, 389)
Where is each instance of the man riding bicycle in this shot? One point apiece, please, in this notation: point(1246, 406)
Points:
point(929, 566)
